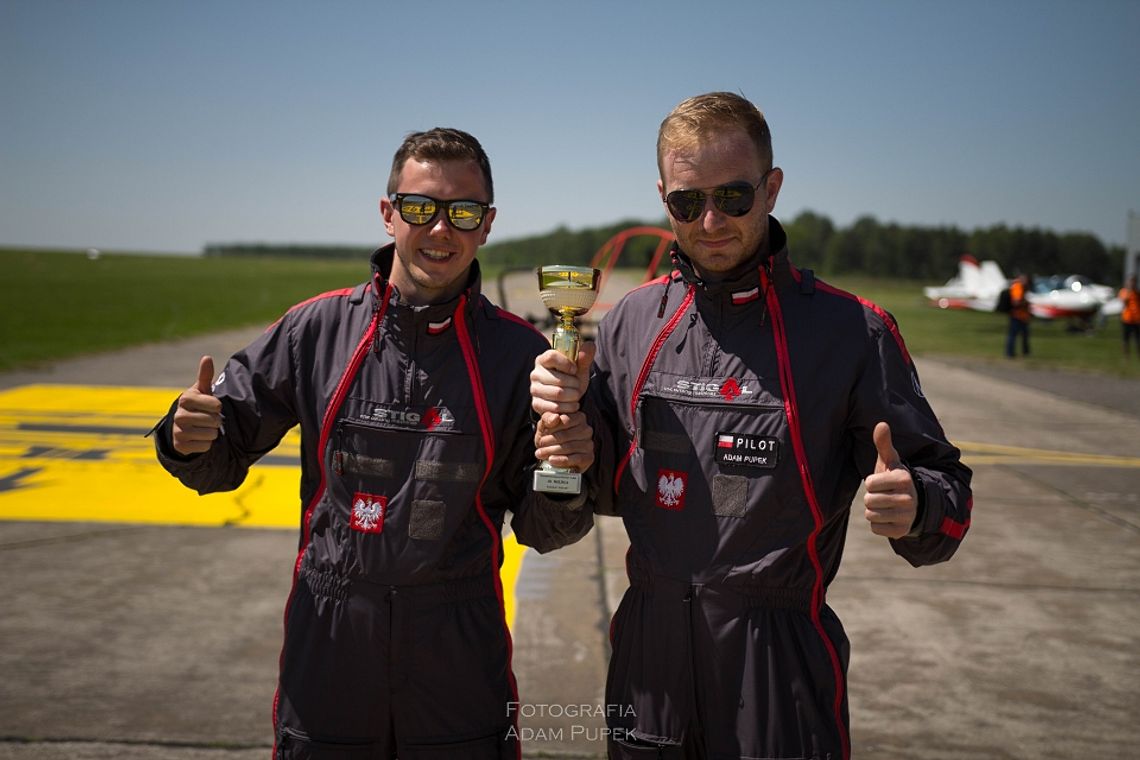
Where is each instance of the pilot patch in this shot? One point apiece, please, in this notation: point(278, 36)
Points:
point(368, 512)
point(744, 450)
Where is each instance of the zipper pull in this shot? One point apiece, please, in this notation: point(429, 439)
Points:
point(766, 282)
point(664, 296)
point(338, 451)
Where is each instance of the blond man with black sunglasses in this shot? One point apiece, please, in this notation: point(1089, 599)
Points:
point(741, 403)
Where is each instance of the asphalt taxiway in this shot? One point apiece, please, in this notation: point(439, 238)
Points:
point(154, 631)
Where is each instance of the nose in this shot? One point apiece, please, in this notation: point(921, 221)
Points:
point(439, 227)
point(711, 217)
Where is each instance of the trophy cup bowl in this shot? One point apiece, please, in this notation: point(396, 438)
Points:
point(568, 292)
point(568, 289)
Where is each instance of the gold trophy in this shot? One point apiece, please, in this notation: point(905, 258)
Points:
point(568, 292)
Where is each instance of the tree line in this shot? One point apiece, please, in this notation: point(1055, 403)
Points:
point(931, 253)
point(868, 247)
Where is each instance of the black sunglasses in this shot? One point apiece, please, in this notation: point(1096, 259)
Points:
point(733, 199)
point(422, 209)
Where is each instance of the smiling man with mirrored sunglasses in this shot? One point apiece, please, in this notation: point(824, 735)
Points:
point(416, 441)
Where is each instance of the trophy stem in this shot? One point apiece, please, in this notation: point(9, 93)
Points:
point(566, 338)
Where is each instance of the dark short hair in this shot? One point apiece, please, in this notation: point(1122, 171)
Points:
point(441, 144)
point(704, 116)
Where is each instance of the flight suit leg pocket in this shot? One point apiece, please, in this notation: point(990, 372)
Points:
point(294, 745)
point(493, 747)
point(632, 749)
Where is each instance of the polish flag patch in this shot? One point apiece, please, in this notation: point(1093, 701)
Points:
point(724, 441)
point(744, 296)
point(368, 512)
point(671, 488)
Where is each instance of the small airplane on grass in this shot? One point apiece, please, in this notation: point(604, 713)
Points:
point(978, 286)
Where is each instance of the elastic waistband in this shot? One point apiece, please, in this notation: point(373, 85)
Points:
point(748, 595)
point(337, 586)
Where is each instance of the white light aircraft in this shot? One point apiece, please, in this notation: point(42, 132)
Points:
point(977, 286)
point(1071, 297)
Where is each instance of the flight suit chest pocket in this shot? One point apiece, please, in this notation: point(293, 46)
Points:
point(714, 448)
point(734, 423)
point(407, 465)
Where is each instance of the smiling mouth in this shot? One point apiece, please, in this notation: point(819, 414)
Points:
point(435, 255)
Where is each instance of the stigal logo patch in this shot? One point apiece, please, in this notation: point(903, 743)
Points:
point(708, 388)
point(411, 418)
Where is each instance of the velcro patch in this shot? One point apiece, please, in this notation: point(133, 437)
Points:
point(368, 512)
point(746, 450)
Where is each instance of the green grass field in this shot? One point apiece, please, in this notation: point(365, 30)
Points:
point(55, 305)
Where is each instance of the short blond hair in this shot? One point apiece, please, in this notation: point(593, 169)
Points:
point(704, 116)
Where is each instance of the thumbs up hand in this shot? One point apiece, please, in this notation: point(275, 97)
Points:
point(891, 500)
point(198, 417)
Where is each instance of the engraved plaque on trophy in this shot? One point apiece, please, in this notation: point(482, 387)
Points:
point(568, 292)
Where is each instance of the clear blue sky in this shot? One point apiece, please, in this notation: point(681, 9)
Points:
point(168, 124)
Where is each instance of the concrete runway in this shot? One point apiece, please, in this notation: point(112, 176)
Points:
point(146, 641)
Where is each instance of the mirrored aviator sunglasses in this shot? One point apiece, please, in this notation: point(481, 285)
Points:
point(422, 209)
point(733, 199)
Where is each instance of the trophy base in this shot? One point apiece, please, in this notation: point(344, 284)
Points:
point(556, 480)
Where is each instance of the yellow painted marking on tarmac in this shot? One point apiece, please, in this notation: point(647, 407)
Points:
point(513, 553)
point(80, 454)
point(994, 453)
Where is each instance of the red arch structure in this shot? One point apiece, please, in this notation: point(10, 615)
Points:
point(606, 257)
point(612, 248)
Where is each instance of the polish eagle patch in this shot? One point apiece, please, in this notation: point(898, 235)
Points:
point(368, 512)
point(671, 488)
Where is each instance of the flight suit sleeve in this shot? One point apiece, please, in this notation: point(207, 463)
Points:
point(256, 388)
point(546, 522)
point(889, 390)
point(602, 412)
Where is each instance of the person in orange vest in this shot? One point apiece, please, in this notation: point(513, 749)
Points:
point(1130, 316)
point(1018, 316)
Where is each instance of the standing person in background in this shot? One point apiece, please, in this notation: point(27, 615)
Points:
point(740, 404)
point(416, 438)
point(1018, 316)
point(1130, 315)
